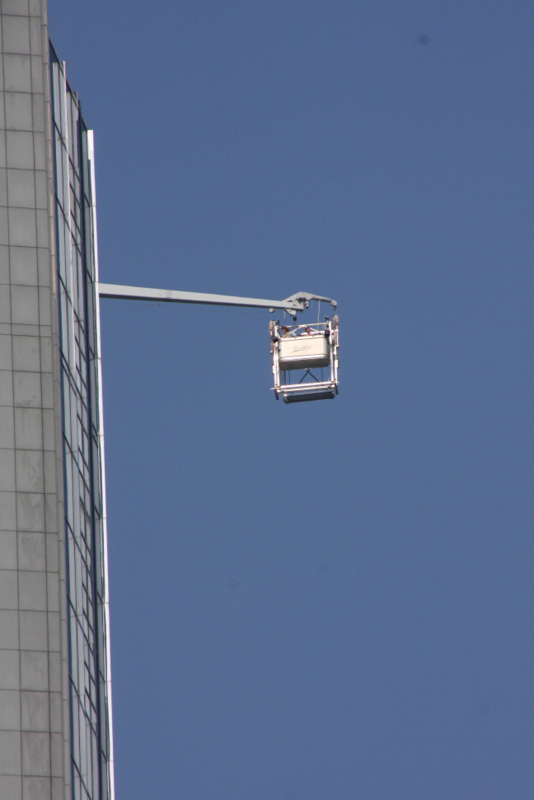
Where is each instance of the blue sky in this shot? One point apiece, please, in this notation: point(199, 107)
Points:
point(333, 599)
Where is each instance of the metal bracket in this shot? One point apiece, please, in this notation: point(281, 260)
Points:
point(304, 299)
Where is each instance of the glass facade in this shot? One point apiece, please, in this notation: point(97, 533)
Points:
point(85, 529)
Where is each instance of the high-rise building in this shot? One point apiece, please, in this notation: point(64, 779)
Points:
point(55, 702)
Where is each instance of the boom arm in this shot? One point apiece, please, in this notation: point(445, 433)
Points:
point(297, 302)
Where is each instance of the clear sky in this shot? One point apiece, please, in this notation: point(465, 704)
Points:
point(331, 600)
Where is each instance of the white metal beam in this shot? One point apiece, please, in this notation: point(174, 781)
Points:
point(297, 302)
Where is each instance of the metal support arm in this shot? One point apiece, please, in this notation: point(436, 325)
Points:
point(297, 302)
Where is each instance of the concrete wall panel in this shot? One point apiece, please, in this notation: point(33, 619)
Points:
point(34, 670)
point(20, 146)
point(23, 260)
point(17, 73)
point(35, 714)
point(9, 630)
point(10, 753)
point(10, 712)
point(8, 549)
point(8, 589)
point(10, 787)
point(15, 33)
point(9, 669)
point(31, 551)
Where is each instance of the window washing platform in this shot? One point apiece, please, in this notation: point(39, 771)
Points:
point(305, 349)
